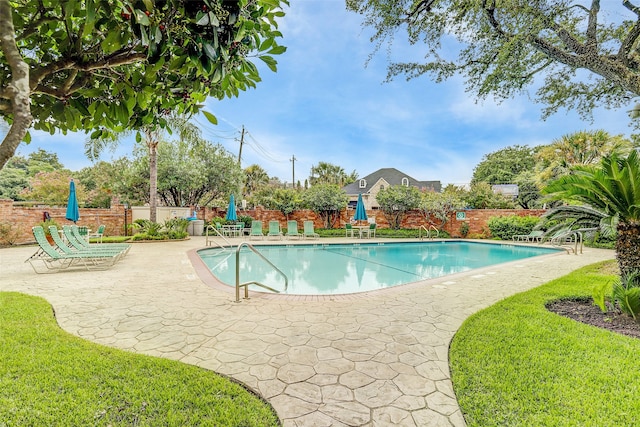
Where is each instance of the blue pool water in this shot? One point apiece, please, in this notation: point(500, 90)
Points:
point(325, 269)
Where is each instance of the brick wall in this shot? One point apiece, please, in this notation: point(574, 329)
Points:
point(23, 218)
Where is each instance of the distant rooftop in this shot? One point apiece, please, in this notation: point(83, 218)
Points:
point(393, 177)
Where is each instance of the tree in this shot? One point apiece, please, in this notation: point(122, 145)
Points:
point(507, 46)
point(108, 65)
point(152, 135)
point(285, 200)
point(612, 189)
point(14, 177)
point(578, 148)
point(397, 200)
point(255, 177)
point(196, 175)
point(482, 196)
point(503, 166)
point(103, 181)
point(327, 173)
point(440, 206)
point(327, 200)
point(52, 188)
point(528, 191)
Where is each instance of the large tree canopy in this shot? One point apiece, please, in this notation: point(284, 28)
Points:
point(503, 166)
point(505, 45)
point(101, 65)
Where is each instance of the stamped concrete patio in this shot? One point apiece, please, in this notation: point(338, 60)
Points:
point(374, 359)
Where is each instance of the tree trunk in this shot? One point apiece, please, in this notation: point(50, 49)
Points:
point(18, 90)
point(628, 247)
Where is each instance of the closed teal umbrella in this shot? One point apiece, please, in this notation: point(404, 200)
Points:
point(73, 212)
point(231, 210)
point(361, 213)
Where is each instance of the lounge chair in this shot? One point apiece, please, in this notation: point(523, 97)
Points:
point(370, 232)
point(308, 231)
point(534, 236)
point(274, 230)
point(78, 242)
point(55, 261)
point(292, 230)
point(64, 248)
point(256, 230)
point(348, 228)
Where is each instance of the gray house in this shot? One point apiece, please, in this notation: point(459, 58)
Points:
point(370, 185)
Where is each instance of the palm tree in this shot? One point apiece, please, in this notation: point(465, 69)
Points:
point(327, 173)
point(188, 132)
point(255, 177)
point(611, 192)
point(578, 148)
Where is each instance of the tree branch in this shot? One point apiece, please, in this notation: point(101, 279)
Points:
point(592, 41)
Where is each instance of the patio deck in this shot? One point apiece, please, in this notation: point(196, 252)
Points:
point(372, 359)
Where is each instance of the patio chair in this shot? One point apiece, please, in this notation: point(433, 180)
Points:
point(370, 232)
point(292, 230)
point(99, 233)
point(55, 261)
point(84, 232)
point(77, 241)
point(308, 231)
point(274, 230)
point(348, 228)
point(534, 236)
point(64, 248)
point(256, 230)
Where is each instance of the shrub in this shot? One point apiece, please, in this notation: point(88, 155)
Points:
point(246, 219)
point(626, 293)
point(8, 233)
point(505, 227)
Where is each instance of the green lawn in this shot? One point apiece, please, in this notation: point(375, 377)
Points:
point(517, 364)
point(51, 378)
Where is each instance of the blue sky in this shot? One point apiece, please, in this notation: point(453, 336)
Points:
point(326, 104)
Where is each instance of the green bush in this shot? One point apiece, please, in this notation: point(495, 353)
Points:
point(505, 227)
point(246, 219)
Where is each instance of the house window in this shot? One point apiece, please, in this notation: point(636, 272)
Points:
point(363, 183)
point(405, 182)
point(382, 187)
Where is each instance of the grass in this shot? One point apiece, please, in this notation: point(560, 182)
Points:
point(517, 364)
point(49, 377)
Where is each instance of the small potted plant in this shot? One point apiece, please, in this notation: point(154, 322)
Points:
point(45, 225)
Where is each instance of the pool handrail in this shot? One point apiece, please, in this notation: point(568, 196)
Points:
point(211, 227)
point(428, 231)
point(246, 284)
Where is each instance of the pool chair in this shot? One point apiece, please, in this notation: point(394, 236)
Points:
point(292, 230)
point(369, 232)
point(308, 231)
point(348, 229)
point(74, 239)
point(274, 230)
point(534, 236)
point(64, 248)
point(256, 230)
point(54, 260)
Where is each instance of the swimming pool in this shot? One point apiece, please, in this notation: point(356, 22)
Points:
point(325, 269)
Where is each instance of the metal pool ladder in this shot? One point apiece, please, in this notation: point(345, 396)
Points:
point(246, 284)
point(428, 231)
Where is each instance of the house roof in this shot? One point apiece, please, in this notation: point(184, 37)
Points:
point(393, 177)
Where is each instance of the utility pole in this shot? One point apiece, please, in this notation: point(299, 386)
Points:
point(293, 171)
point(241, 142)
